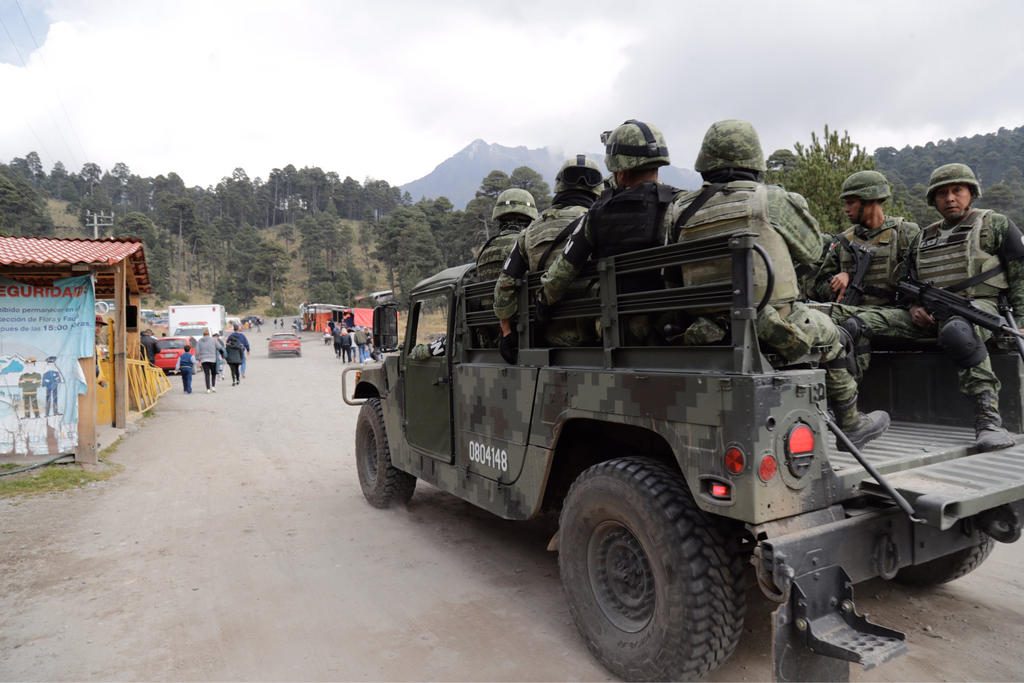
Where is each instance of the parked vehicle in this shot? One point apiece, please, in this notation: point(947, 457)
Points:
point(674, 468)
point(167, 351)
point(284, 342)
point(191, 319)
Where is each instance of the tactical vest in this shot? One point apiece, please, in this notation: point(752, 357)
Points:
point(544, 231)
point(492, 256)
point(948, 257)
point(878, 282)
point(741, 206)
point(629, 220)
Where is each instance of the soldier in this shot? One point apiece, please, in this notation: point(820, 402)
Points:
point(731, 163)
point(577, 185)
point(872, 255)
point(626, 219)
point(29, 383)
point(977, 253)
point(513, 210)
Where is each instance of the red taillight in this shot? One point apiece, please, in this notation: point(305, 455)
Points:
point(734, 460)
point(800, 440)
point(768, 468)
point(719, 490)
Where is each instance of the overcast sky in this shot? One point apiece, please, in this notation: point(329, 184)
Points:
point(390, 89)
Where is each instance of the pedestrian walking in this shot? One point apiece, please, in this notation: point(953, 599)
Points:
point(336, 331)
point(220, 354)
point(235, 349)
point(360, 339)
point(346, 345)
point(206, 353)
point(186, 365)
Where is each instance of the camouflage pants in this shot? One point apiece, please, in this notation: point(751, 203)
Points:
point(884, 321)
point(805, 331)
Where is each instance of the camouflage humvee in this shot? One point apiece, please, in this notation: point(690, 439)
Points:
point(676, 468)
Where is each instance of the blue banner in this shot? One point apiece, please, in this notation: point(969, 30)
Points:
point(44, 330)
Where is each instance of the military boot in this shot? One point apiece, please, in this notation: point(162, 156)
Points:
point(860, 428)
point(988, 425)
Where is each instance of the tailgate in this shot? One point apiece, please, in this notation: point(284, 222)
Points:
point(946, 492)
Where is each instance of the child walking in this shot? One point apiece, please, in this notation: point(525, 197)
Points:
point(186, 365)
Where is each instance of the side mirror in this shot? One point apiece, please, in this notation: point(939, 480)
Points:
point(385, 328)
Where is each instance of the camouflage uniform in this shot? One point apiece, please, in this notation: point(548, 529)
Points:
point(892, 246)
point(514, 209)
point(536, 247)
point(633, 146)
point(731, 162)
point(946, 254)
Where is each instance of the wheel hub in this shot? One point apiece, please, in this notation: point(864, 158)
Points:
point(621, 577)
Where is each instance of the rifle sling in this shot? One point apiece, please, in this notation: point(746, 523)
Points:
point(976, 280)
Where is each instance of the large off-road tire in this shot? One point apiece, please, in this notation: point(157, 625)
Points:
point(651, 581)
point(948, 567)
point(382, 483)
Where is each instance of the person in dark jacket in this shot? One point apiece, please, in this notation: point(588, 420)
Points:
point(235, 349)
point(148, 343)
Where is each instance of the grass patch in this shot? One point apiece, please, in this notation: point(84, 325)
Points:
point(54, 478)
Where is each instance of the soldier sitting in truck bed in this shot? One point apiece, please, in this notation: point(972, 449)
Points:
point(627, 219)
point(733, 199)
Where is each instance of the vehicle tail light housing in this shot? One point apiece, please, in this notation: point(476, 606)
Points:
point(768, 468)
point(800, 444)
point(735, 461)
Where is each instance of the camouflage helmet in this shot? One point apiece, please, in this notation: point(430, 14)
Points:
point(866, 186)
point(950, 174)
point(730, 144)
point(634, 145)
point(579, 173)
point(515, 201)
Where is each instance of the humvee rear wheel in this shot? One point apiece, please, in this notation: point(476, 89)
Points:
point(948, 567)
point(382, 483)
point(651, 584)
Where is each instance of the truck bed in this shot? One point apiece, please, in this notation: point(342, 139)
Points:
point(934, 467)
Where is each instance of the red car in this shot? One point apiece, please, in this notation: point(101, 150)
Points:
point(167, 351)
point(284, 342)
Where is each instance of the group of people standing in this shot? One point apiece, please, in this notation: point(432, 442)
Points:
point(976, 252)
point(209, 352)
point(351, 344)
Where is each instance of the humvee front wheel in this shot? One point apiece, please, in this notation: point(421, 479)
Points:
point(381, 482)
point(651, 584)
point(948, 567)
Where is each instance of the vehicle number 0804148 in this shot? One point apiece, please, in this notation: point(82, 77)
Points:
point(488, 455)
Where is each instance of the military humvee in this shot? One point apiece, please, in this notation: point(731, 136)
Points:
point(675, 468)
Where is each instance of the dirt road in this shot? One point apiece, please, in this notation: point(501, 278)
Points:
point(236, 545)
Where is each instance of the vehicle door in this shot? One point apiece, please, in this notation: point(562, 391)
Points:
point(426, 359)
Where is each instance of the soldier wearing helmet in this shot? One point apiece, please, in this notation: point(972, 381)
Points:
point(871, 256)
point(977, 253)
point(514, 209)
point(731, 163)
point(625, 219)
point(577, 185)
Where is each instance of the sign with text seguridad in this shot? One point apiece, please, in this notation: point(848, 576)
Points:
point(44, 330)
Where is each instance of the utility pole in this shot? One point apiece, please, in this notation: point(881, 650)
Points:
point(99, 220)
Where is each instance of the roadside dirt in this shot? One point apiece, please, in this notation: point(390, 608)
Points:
point(236, 545)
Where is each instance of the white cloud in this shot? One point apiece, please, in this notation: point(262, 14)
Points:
point(390, 89)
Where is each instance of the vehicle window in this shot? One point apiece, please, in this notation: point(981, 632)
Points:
point(431, 319)
point(163, 344)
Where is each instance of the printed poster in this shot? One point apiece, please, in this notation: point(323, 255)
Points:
point(44, 330)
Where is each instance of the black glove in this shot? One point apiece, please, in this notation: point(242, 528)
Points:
point(508, 347)
point(543, 308)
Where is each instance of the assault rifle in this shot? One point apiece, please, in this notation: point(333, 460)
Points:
point(854, 294)
point(944, 304)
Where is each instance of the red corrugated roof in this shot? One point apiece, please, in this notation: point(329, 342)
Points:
point(53, 251)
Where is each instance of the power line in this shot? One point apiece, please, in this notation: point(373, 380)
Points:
point(24, 64)
point(56, 90)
